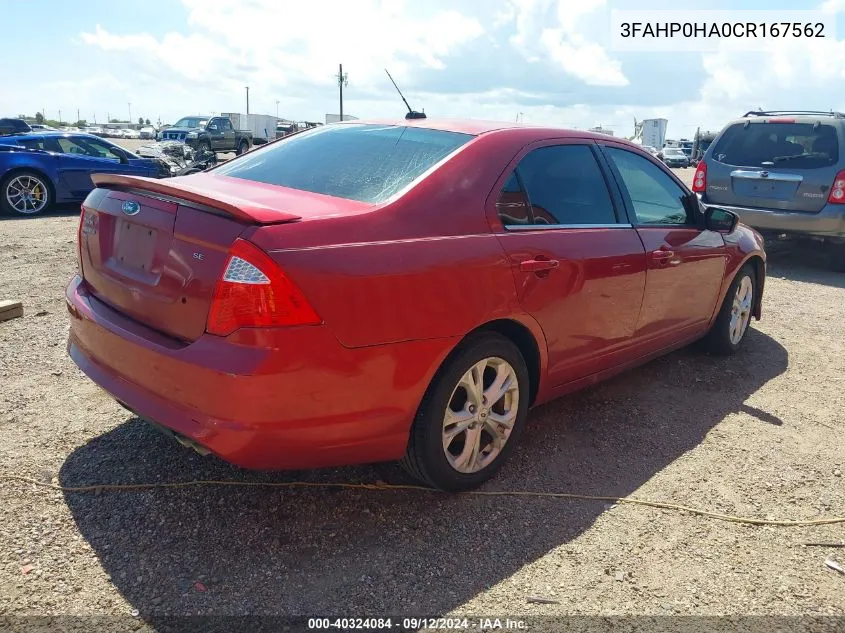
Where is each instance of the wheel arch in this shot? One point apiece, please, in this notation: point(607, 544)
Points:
point(756, 260)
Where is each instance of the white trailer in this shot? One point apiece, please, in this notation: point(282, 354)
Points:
point(262, 126)
point(335, 118)
point(654, 133)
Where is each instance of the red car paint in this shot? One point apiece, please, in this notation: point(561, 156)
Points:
point(397, 286)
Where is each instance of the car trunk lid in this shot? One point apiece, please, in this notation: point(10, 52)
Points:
point(154, 250)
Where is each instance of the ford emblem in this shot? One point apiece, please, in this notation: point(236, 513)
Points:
point(130, 207)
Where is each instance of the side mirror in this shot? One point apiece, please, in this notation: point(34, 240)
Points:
point(721, 220)
point(213, 127)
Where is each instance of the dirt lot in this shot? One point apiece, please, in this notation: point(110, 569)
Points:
point(757, 435)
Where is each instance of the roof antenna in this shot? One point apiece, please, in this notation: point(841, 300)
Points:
point(411, 114)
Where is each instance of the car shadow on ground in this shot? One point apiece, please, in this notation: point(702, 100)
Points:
point(802, 262)
point(310, 551)
point(55, 211)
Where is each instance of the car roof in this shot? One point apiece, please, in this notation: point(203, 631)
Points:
point(477, 127)
point(50, 134)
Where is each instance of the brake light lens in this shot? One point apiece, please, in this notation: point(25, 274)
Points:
point(837, 191)
point(254, 291)
point(699, 182)
point(780, 120)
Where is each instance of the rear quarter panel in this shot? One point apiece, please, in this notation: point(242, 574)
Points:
point(42, 162)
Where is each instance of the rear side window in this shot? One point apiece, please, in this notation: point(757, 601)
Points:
point(792, 145)
point(562, 184)
point(368, 163)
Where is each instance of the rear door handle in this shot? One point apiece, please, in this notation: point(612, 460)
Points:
point(538, 265)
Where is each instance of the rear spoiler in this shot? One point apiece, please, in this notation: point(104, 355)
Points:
point(238, 208)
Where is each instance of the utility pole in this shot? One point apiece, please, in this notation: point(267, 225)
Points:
point(60, 117)
point(77, 115)
point(277, 108)
point(130, 112)
point(247, 99)
point(341, 82)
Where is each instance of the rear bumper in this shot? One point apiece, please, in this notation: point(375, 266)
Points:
point(829, 222)
point(284, 398)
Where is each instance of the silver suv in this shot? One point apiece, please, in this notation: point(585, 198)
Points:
point(782, 172)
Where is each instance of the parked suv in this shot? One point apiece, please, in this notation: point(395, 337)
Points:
point(783, 173)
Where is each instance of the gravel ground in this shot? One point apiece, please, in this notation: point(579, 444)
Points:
point(757, 435)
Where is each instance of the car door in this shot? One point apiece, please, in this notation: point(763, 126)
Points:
point(215, 134)
point(686, 262)
point(83, 156)
point(228, 141)
point(578, 264)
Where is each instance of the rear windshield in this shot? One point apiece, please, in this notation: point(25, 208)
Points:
point(792, 145)
point(368, 163)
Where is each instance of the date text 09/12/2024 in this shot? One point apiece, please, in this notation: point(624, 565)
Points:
point(415, 624)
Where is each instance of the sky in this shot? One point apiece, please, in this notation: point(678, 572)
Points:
point(546, 62)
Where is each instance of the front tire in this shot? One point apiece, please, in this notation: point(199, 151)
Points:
point(471, 415)
point(734, 318)
point(25, 193)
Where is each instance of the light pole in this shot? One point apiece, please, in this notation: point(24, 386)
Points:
point(277, 108)
point(130, 113)
point(60, 117)
point(247, 99)
point(341, 82)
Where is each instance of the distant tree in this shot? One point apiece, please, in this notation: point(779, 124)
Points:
point(114, 120)
point(147, 121)
point(140, 120)
point(39, 118)
point(22, 116)
point(81, 123)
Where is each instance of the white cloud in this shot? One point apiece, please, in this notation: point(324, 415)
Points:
point(564, 43)
point(583, 59)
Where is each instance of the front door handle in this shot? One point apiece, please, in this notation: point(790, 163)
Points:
point(665, 256)
point(538, 265)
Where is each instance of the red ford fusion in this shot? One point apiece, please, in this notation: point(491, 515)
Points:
point(367, 292)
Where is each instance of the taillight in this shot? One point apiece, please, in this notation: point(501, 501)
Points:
point(837, 191)
point(254, 292)
point(699, 182)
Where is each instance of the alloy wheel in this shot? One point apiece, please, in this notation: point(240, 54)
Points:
point(481, 414)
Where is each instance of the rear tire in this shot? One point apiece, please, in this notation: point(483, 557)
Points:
point(734, 318)
point(243, 147)
point(471, 415)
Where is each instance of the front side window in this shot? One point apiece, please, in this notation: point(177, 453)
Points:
point(773, 145)
point(367, 163)
point(655, 197)
point(562, 184)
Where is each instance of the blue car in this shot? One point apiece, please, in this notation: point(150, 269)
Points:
point(40, 169)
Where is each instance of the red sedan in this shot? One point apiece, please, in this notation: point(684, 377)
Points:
point(367, 292)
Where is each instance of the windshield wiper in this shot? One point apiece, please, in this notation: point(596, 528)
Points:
point(780, 159)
